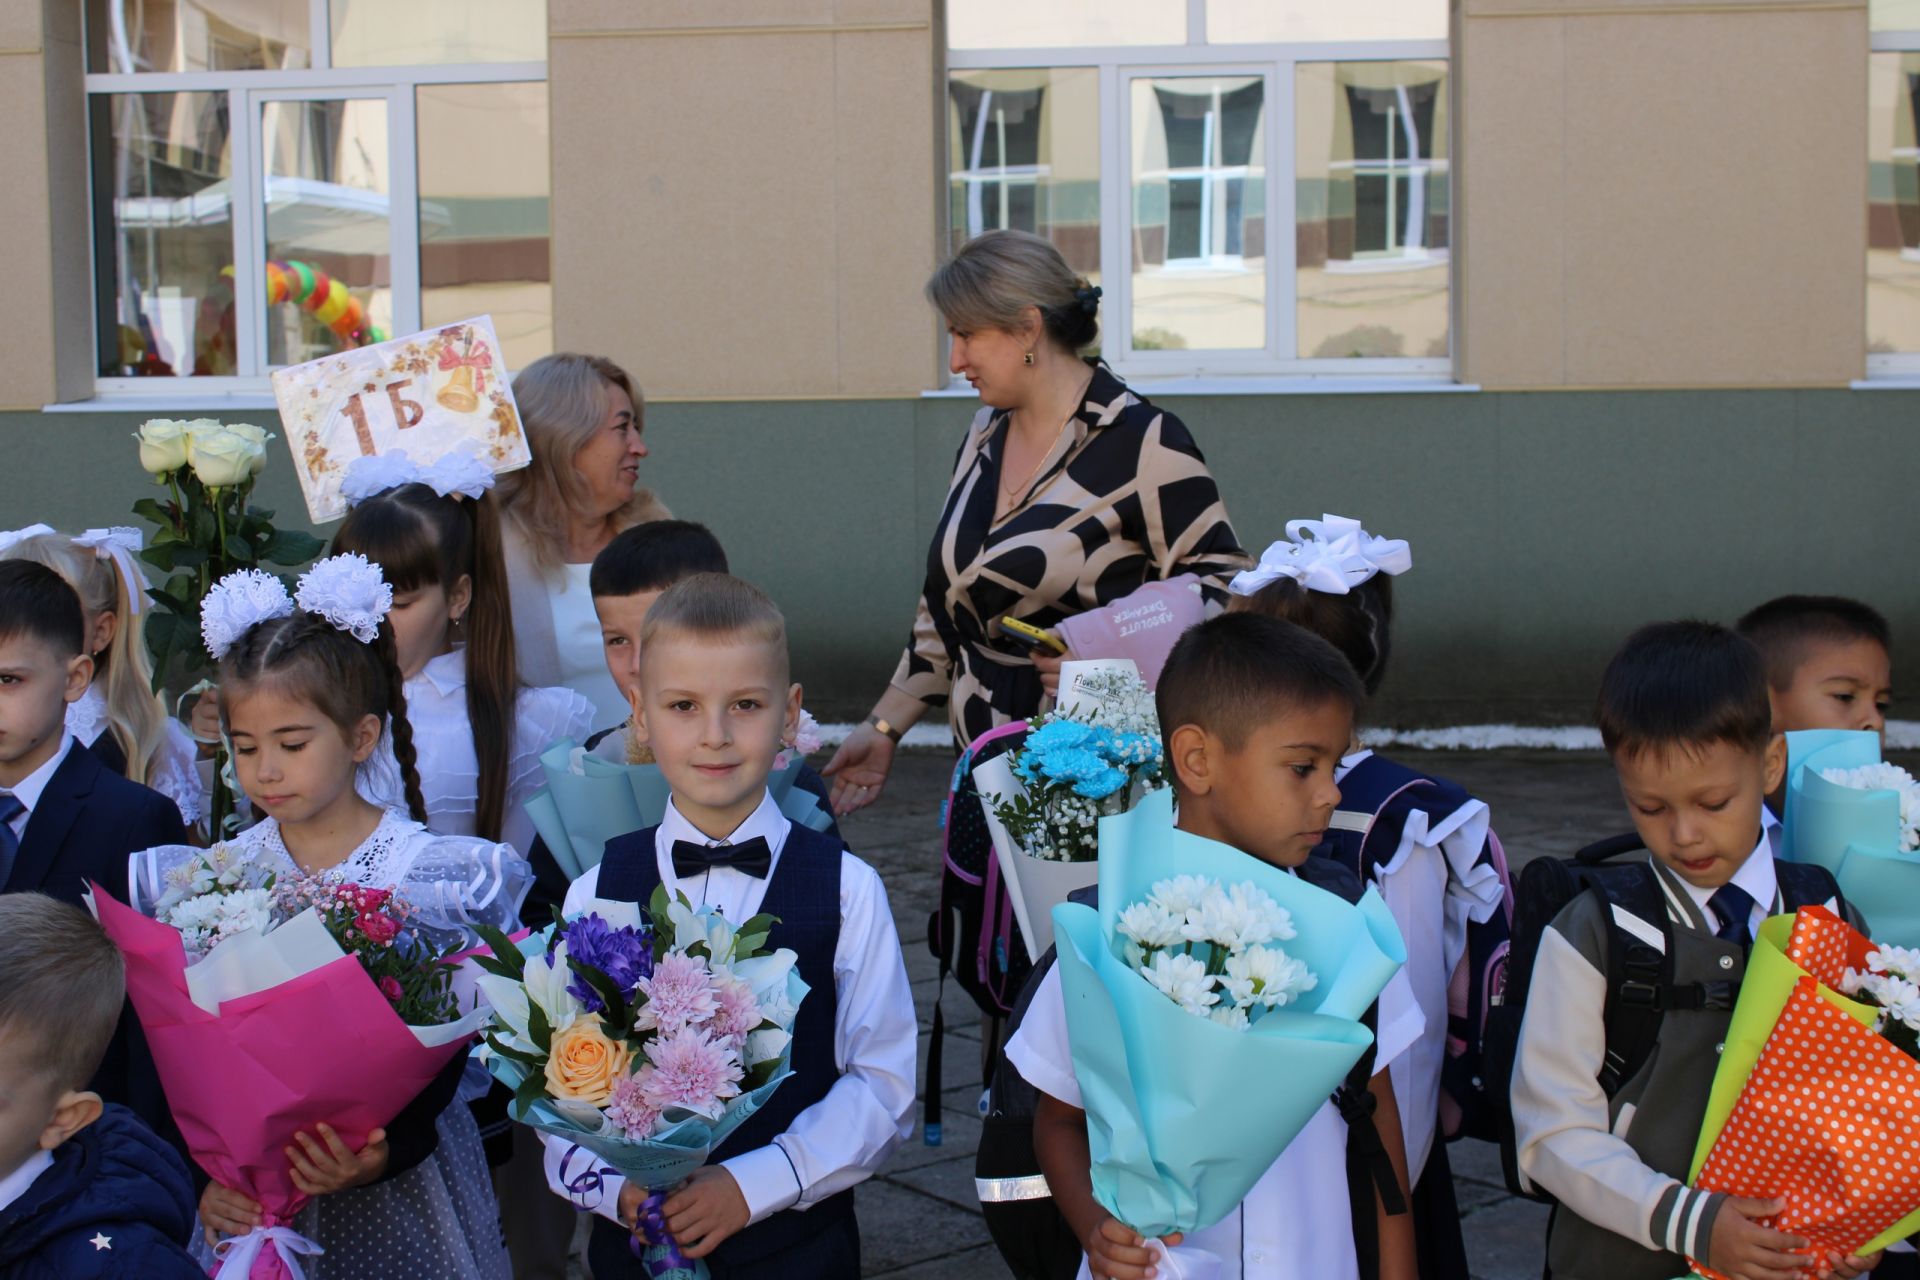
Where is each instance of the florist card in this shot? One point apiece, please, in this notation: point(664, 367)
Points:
point(430, 393)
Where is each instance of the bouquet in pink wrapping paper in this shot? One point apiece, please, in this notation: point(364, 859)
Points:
point(281, 1026)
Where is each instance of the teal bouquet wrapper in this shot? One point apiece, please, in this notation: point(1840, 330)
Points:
point(1855, 834)
point(1185, 1115)
point(588, 801)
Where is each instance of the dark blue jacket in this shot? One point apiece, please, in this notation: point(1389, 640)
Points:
point(86, 824)
point(115, 1202)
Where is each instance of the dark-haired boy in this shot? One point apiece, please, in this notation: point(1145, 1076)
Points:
point(86, 1190)
point(1829, 662)
point(1684, 714)
point(775, 1201)
point(1255, 714)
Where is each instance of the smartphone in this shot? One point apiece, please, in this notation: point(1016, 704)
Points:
point(1031, 636)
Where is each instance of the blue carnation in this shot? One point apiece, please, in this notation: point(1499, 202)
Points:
point(1101, 783)
point(1057, 735)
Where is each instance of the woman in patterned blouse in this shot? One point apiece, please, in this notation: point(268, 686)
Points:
point(1069, 492)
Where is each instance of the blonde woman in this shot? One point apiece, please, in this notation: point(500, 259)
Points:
point(583, 416)
point(119, 717)
point(1070, 492)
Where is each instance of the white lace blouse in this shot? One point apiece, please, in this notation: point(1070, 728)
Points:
point(449, 768)
point(452, 882)
point(175, 772)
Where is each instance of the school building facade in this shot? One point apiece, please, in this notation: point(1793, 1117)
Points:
point(1610, 307)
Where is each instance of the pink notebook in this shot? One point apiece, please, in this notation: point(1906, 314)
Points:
point(1142, 626)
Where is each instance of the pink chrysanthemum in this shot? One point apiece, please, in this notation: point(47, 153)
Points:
point(628, 1106)
point(678, 994)
point(691, 1070)
point(737, 1014)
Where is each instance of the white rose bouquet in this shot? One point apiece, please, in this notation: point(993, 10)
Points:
point(206, 529)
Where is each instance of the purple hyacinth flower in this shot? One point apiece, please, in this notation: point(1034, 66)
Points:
point(625, 955)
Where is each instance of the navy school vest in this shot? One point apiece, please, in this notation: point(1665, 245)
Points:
point(804, 893)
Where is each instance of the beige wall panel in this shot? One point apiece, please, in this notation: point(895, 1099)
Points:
point(625, 15)
point(889, 11)
point(1715, 232)
point(694, 237)
point(1510, 203)
point(26, 358)
point(20, 23)
point(887, 225)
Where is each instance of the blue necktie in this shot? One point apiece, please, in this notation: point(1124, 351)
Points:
point(1734, 906)
point(10, 808)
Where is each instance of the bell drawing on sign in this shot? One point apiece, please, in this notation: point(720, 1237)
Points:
point(459, 395)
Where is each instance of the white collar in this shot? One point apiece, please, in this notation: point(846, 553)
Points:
point(87, 716)
point(766, 821)
point(34, 785)
point(15, 1184)
point(446, 672)
point(1755, 875)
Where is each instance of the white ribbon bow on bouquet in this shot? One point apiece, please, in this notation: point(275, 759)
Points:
point(239, 1254)
point(1332, 554)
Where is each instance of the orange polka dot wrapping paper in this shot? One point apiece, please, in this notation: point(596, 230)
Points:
point(1809, 1103)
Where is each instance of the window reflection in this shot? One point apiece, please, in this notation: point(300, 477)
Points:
point(393, 33)
point(1024, 149)
point(1045, 24)
point(1269, 22)
point(1893, 203)
point(198, 35)
point(1199, 213)
point(1372, 209)
point(163, 234)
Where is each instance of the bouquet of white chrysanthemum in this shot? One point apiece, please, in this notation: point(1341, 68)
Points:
point(1209, 949)
point(1886, 777)
point(215, 896)
point(1891, 981)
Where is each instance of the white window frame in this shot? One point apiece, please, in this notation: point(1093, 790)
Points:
point(247, 92)
point(1117, 67)
point(1892, 366)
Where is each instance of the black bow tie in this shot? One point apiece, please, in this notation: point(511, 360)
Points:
point(751, 857)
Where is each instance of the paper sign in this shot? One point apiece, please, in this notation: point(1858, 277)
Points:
point(428, 394)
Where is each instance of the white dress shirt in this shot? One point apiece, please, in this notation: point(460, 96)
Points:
point(30, 788)
point(1756, 876)
point(845, 1137)
point(1297, 1220)
point(15, 1184)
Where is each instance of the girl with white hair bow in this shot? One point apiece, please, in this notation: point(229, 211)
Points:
point(1427, 844)
point(119, 716)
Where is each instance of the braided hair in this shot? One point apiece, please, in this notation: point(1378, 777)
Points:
point(322, 665)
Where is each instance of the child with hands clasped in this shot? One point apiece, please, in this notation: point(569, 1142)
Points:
point(1255, 714)
point(1684, 713)
point(308, 690)
point(715, 704)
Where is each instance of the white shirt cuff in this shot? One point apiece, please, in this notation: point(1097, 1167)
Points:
point(768, 1181)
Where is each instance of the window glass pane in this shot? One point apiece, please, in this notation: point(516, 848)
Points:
point(1024, 150)
point(484, 238)
point(1015, 24)
point(1894, 15)
point(1372, 197)
point(197, 35)
point(386, 33)
point(1893, 203)
point(1199, 213)
point(1265, 21)
point(329, 246)
point(163, 234)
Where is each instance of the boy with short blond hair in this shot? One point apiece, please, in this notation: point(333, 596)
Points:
point(1685, 715)
point(86, 1190)
point(715, 703)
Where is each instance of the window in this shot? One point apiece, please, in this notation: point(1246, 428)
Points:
point(1261, 189)
point(276, 180)
point(1893, 189)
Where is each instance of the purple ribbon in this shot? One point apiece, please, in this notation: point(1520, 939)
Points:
point(651, 1242)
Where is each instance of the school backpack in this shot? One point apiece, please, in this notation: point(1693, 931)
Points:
point(972, 934)
point(1640, 982)
point(1376, 797)
point(1035, 1241)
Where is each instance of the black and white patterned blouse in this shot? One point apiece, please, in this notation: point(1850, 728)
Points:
point(1123, 499)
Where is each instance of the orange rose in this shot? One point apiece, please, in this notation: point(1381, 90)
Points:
point(583, 1064)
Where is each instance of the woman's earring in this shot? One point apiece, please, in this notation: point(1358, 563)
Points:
point(1028, 358)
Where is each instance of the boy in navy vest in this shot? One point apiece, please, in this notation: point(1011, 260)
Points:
point(715, 704)
point(86, 1190)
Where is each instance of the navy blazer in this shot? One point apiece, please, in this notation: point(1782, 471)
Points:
point(88, 822)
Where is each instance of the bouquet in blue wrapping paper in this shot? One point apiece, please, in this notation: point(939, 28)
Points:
point(643, 1040)
point(1859, 817)
point(588, 801)
point(1202, 969)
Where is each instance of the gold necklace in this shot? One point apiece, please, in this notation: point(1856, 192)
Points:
point(1011, 491)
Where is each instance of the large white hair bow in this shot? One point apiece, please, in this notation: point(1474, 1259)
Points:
point(10, 538)
point(120, 544)
point(1332, 554)
point(461, 470)
point(237, 604)
point(348, 591)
